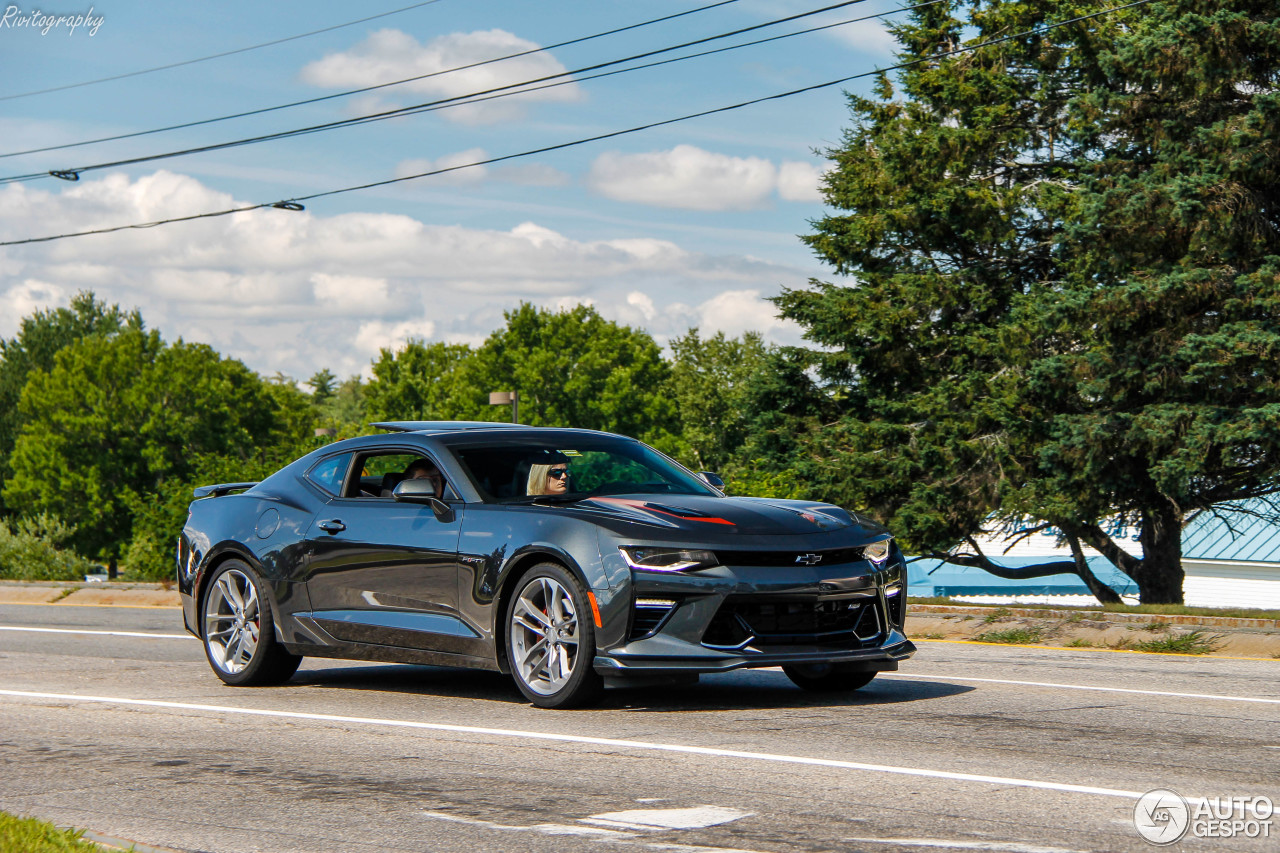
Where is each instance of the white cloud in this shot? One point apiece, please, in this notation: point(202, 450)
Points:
point(690, 178)
point(25, 298)
point(799, 181)
point(297, 291)
point(471, 175)
point(869, 36)
point(685, 177)
point(377, 334)
point(389, 55)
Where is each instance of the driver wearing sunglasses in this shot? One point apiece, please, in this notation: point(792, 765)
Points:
point(549, 479)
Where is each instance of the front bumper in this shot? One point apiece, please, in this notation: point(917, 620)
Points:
point(882, 659)
point(745, 617)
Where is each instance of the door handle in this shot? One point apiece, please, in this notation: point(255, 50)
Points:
point(332, 526)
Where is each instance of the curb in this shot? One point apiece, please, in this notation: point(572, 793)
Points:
point(1100, 616)
point(108, 843)
point(112, 585)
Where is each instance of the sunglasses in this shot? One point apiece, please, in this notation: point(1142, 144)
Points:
point(558, 473)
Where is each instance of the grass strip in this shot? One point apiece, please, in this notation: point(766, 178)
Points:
point(1011, 636)
point(28, 835)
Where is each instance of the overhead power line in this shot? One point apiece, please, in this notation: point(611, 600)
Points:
point(399, 112)
point(295, 203)
point(365, 89)
point(216, 55)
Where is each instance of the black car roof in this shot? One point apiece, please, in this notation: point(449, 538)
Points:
point(445, 428)
point(441, 426)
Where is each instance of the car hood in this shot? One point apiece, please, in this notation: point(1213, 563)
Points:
point(729, 515)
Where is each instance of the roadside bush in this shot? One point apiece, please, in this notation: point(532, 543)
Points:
point(32, 549)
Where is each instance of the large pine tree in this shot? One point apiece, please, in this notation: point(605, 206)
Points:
point(1064, 303)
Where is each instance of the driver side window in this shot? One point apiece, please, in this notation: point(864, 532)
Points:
point(379, 474)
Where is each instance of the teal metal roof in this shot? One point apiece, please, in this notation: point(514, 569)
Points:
point(1234, 536)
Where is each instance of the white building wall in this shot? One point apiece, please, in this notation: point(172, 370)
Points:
point(1226, 584)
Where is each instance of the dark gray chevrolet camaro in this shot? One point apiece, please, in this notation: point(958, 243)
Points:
point(571, 559)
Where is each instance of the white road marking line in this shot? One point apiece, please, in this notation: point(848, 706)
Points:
point(541, 828)
point(101, 633)
point(594, 741)
point(603, 835)
point(908, 676)
point(694, 818)
point(997, 846)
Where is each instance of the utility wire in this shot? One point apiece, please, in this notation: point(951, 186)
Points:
point(216, 55)
point(296, 202)
point(74, 173)
point(471, 99)
point(361, 91)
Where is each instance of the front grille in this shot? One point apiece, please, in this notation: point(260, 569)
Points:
point(762, 621)
point(829, 557)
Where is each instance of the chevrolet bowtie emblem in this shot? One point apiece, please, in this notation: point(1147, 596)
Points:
point(809, 559)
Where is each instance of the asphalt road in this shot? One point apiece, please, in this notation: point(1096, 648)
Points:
point(967, 748)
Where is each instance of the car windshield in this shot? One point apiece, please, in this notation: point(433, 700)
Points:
point(532, 470)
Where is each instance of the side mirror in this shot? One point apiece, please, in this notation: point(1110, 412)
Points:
point(711, 479)
point(422, 492)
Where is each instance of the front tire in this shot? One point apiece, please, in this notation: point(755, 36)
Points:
point(239, 632)
point(551, 639)
point(825, 678)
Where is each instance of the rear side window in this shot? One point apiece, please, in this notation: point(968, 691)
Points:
point(330, 473)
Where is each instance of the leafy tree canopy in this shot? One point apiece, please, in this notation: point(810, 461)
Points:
point(420, 382)
point(115, 418)
point(1065, 303)
point(708, 384)
point(575, 368)
point(40, 336)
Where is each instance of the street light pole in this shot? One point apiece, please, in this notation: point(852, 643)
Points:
point(502, 398)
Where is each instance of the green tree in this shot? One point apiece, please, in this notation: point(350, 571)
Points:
point(39, 338)
point(118, 417)
point(420, 382)
point(708, 384)
point(322, 387)
point(346, 409)
point(574, 368)
point(1065, 301)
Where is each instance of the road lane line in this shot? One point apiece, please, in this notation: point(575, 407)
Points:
point(906, 676)
point(593, 741)
point(956, 844)
point(99, 633)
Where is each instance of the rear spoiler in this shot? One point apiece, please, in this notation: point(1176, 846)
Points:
point(222, 489)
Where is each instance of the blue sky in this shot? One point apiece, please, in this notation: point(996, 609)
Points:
point(692, 224)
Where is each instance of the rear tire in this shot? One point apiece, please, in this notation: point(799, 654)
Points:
point(239, 632)
point(551, 639)
point(825, 678)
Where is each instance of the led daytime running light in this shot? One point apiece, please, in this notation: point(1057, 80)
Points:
point(667, 559)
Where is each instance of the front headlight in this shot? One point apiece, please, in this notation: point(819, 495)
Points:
point(877, 552)
point(667, 559)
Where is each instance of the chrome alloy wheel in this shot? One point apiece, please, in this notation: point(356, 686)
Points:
point(544, 636)
point(232, 621)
